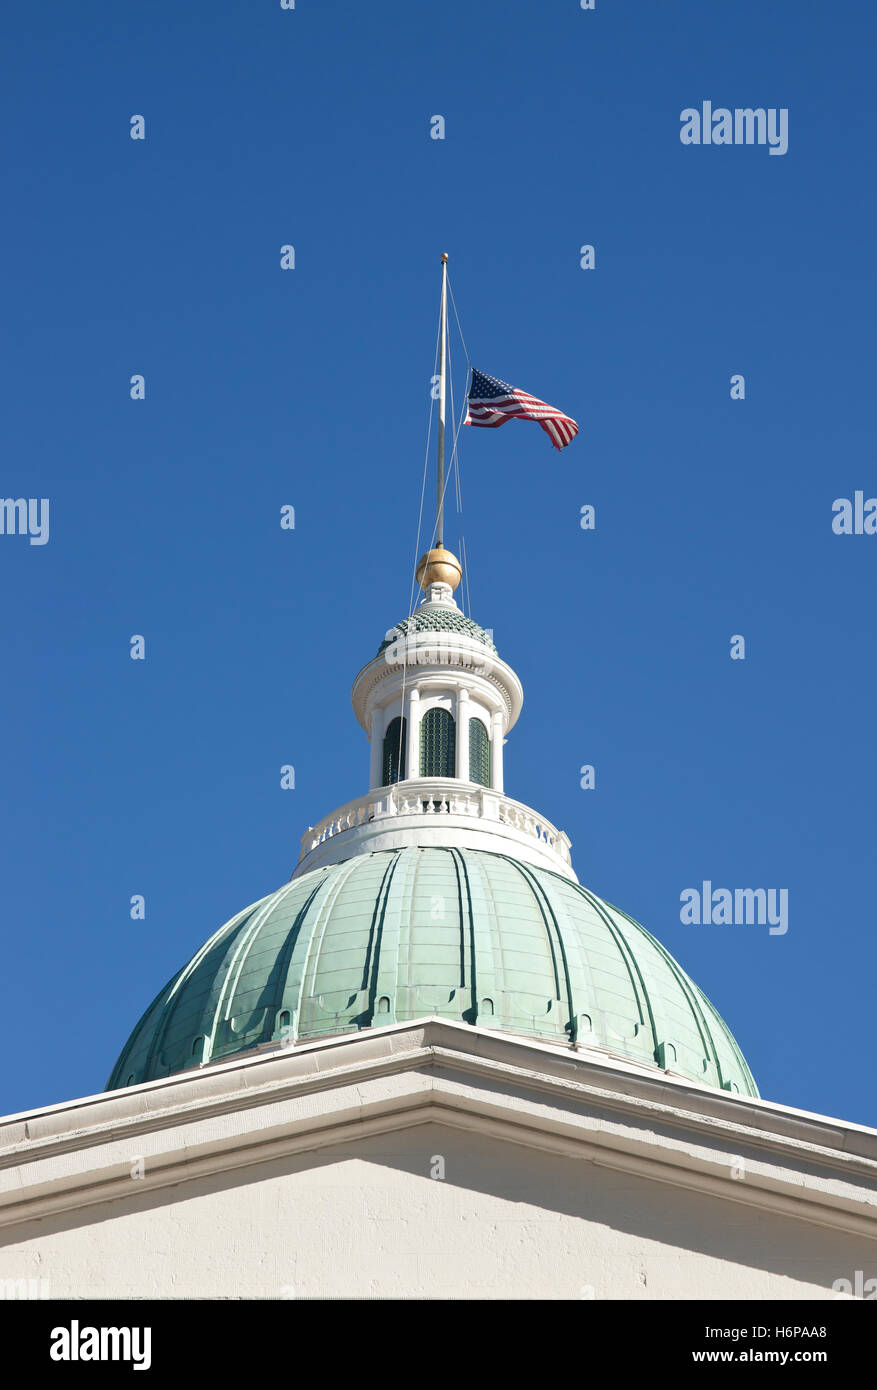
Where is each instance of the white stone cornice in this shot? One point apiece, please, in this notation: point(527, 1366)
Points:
point(435, 812)
point(431, 657)
point(244, 1112)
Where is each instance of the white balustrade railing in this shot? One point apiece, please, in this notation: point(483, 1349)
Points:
point(417, 798)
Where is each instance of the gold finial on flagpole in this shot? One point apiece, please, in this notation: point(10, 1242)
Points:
point(439, 566)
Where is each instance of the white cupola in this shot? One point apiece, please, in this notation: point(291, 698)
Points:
point(437, 701)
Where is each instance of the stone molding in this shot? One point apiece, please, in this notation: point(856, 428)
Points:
point(435, 811)
point(236, 1114)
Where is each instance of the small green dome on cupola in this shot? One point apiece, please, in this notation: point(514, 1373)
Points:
point(437, 619)
point(460, 934)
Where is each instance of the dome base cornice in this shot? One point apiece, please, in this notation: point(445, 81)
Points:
point(439, 812)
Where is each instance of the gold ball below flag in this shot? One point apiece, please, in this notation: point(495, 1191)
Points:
point(438, 566)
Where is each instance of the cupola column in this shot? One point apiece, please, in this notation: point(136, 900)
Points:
point(376, 769)
point(496, 738)
point(463, 735)
point(412, 715)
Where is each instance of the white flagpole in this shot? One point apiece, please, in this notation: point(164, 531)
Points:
point(443, 337)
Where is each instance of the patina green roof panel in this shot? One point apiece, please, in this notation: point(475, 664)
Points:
point(448, 620)
point(463, 934)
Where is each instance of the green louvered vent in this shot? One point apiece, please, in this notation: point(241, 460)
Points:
point(438, 744)
point(394, 752)
point(479, 753)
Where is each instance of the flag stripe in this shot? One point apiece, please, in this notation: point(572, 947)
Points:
point(492, 402)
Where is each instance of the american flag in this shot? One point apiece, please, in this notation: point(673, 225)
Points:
point(492, 402)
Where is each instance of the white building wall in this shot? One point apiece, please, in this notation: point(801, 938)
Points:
point(433, 1160)
point(366, 1220)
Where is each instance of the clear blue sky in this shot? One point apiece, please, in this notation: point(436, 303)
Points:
point(309, 387)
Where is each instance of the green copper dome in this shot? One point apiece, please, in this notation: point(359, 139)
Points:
point(463, 934)
point(429, 619)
